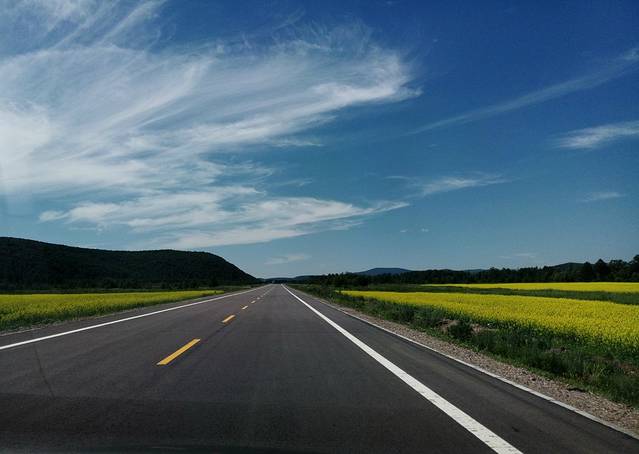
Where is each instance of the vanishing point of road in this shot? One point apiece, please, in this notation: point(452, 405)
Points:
point(270, 369)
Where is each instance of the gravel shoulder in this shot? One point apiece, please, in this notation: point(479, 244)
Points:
point(623, 416)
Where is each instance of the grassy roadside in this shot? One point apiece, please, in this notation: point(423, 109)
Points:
point(600, 368)
point(22, 310)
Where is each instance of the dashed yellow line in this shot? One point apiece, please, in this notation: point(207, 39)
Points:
point(174, 355)
point(244, 307)
point(228, 319)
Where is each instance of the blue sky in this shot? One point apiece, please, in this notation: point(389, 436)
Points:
point(313, 137)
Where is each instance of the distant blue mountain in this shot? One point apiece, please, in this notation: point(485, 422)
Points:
point(379, 271)
point(371, 272)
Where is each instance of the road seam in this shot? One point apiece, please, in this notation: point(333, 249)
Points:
point(113, 322)
point(492, 374)
point(489, 438)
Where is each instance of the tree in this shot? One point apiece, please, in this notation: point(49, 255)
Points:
point(601, 270)
point(586, 273)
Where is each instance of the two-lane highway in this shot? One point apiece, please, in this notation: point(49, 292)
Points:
point(266, 369)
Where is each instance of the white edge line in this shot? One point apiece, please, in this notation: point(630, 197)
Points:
point(494, 375)
point(489, 438)
point(112, 322)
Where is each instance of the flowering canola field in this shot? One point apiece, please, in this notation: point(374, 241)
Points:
point(612, 287)
point(22, 310)
point(597, 321)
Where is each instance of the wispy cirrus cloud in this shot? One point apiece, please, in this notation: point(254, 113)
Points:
point(287, 258)
point(98, 112)
point(421, 230)
point(601, 195)
point(422, 187)
point(617, 67)
point(268, 219)
point(455, 183)
point(598, 136)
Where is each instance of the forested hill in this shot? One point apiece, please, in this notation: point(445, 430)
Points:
point(27, 264)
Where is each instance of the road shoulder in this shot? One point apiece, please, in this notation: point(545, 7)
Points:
point(616, 414)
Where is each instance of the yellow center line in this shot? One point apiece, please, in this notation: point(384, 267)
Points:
point(228, 319)
point(244, 307)
point(172, 356)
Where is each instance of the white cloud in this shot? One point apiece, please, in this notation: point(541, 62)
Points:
point(601, 195)
point(52, 215)
point(136, 135)
point(288, 258)
point(632, 55)
point(219, 217)
point(296, 182)
point(421, 230)
point(598, 136)
point(54, 12)
point(454, 183)
point(613, 69)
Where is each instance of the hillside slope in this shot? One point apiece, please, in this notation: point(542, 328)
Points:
point(381, 271)
point(28, 264)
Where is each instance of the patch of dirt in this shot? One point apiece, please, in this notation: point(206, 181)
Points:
point(444, 324)
point(621, 415)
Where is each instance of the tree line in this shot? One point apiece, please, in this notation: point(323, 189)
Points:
point(612, 271)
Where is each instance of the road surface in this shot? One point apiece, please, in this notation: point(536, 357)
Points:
point(266, 370)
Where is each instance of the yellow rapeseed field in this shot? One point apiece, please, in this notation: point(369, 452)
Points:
point(616, 324)
point(612, 287)
point(23, 310)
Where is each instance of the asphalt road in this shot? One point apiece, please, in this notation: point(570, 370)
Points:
point(283, 375)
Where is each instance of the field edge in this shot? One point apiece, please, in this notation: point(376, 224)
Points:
point(48, 321)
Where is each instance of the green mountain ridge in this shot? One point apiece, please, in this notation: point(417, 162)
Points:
point(28, 264)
